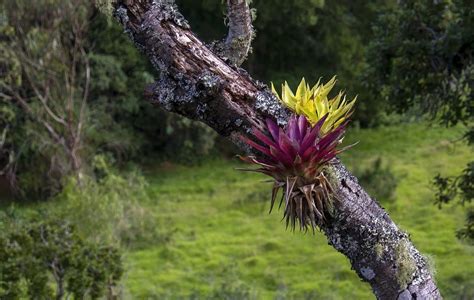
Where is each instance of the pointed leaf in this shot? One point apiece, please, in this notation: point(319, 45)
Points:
point(255, 145)
point(263, 138)
point(273, 128)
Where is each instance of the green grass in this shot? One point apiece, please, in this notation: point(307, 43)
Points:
point(223, 239)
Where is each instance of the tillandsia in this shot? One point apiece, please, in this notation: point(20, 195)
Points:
point(297, 157)
point(314, 103)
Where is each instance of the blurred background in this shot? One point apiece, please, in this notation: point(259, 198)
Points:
point(103, 195)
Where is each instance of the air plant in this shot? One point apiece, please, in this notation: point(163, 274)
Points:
point(314, 103)
point(297, 156)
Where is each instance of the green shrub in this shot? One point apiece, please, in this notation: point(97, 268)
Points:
point(109, 207)
point(47, 259)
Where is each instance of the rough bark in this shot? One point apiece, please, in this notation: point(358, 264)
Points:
point(199, 84)
point(239, 39)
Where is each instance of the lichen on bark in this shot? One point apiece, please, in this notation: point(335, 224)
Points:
point(405, 264)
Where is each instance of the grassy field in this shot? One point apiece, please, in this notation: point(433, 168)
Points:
point(220, 242)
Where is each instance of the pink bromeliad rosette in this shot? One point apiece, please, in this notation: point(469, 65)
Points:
point(297, 157)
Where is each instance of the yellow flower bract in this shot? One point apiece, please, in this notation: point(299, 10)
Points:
point(314, 103)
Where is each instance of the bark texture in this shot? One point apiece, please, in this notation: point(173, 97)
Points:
point(200, 84)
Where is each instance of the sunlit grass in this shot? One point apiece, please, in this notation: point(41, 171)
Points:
point(221, 232)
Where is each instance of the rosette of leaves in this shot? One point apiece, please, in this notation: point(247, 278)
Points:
point(314, 103)
point(297, 157)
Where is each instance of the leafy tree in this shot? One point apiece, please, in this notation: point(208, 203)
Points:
point(422, 59)
point(71, 88)
point(44, 91)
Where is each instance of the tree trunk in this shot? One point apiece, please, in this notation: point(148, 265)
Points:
point(205, 85)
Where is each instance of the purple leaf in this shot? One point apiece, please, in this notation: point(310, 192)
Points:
point(302, 126)
point(255, 145)
point(280, 156)
point(262, 137)
point(331, 138)
point(310, 151)
point(273, 128)
point(293, 130)
point(286, 145)
point(311, 137)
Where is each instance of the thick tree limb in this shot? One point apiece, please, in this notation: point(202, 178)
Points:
point(198, 84)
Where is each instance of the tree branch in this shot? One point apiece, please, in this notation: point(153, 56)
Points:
point(198, 84)
point(239, 38)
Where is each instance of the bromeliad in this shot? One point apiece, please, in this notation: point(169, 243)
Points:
point(314, 103)
point(297, 156)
